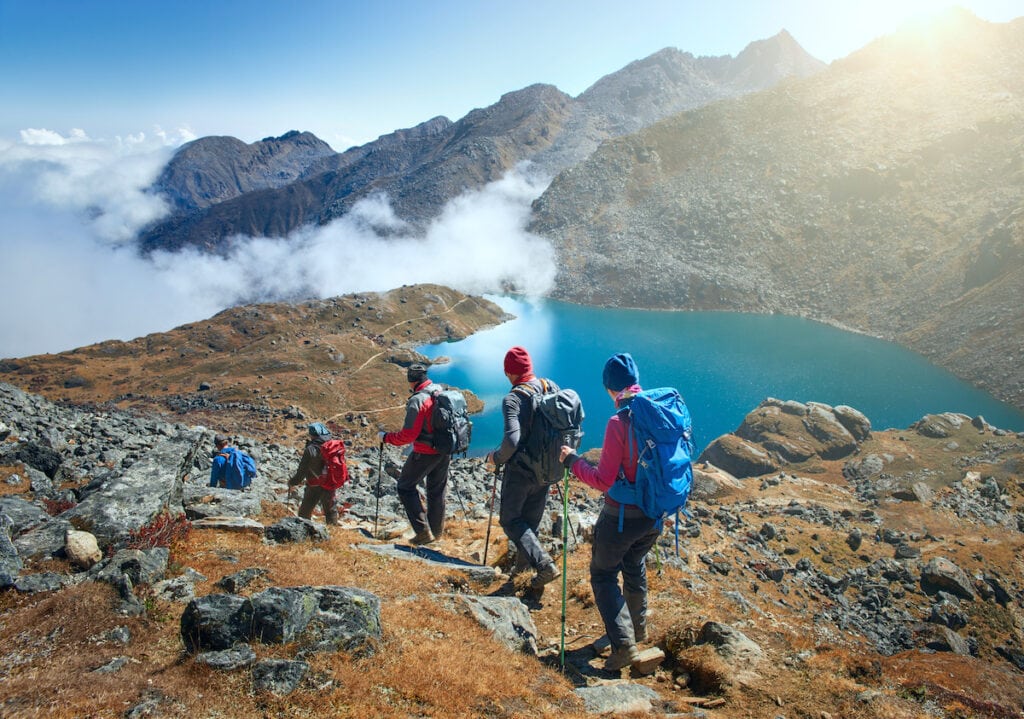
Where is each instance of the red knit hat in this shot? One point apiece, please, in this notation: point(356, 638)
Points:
point(518, 362)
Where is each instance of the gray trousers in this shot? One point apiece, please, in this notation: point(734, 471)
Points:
point(622, 610)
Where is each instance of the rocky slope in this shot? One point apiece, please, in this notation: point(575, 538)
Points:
point(267, 370)
point(221, 187)
point(883, 194)
point(860, 573)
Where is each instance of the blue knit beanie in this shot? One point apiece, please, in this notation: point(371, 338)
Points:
point(620, 371)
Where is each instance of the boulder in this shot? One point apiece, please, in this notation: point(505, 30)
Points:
point(82, 549)
point(739, 457)
point(148, 488)
point(942, 574)
point(216, 621)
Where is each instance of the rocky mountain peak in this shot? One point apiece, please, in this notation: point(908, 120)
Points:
point(211, 170)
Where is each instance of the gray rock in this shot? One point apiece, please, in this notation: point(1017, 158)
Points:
point(141, 566)
point(238, 657)
point(147, 489)
point(216, 621)
point(281, 614)
point(296, 529)
point(233, 583)
point(10, 560)
point(278, 676)
point(507, 618)
point(731, 644)
point(24, 515)
point(44, 540)
point(41, 582)
point(618, 699)
point(942, 574)
point(346, 619)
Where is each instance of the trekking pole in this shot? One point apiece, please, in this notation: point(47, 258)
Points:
point(565, 511)
point(458, 494)
point(376, 511)
point(565, 565)
point(490, 515)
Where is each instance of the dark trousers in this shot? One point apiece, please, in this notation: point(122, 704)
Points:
point(314, 495)
point(522, 509)
point(435, 468)
point(626, 552)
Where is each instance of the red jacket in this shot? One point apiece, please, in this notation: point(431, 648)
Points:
point(418, 427)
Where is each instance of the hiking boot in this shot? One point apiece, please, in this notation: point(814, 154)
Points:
point(640, 632)
point(622, 656)
point(424, 537)
point(545, 575)
point(521, 565)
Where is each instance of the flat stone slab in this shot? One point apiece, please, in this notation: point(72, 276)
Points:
point(650, 659)
point(229, 524)
point(434, 558)
point(618, 698)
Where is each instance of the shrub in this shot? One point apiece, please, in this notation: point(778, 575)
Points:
point(161, 532)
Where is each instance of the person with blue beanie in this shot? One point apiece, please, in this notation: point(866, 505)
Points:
point(623, 610)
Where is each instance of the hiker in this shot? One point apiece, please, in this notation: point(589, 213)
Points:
point(523, 495)
point(423, 462)
point(624, 611)
point(232, 468)
point(311, 471)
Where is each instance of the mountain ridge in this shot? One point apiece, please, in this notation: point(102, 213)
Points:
point(452, 157)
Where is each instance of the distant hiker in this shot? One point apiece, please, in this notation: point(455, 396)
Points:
point(312, 470)
point(232, 468)
point(623, 534)
point(523, 494)
point(423, 462)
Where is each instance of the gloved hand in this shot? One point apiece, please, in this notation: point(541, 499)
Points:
point(380, 437)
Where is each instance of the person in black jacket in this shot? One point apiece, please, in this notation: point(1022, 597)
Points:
point(523, 496)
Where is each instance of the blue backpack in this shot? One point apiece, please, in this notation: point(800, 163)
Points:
point(662, 433)
point(240, 469)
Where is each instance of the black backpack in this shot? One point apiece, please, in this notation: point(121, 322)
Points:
point(556, 419)
point(451, 429)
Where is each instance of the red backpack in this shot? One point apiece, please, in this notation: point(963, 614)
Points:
point(335, 472)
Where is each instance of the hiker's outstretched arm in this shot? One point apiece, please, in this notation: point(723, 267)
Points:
point(613, 457)
point(510, 407)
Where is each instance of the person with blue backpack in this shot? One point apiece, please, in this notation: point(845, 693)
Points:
point(645, 474)
point(231, 468)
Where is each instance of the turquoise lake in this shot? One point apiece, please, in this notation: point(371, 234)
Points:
point(724, 364)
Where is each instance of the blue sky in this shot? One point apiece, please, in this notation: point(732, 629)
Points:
point(352, 70)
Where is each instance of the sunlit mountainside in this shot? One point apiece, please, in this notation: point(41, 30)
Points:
point(883, 194)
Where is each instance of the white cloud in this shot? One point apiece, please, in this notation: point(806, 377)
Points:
point(72, 204)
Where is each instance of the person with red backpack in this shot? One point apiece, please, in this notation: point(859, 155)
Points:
point(322, 467)
point(423, 462)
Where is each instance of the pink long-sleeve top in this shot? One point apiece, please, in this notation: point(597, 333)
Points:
point(617, 453)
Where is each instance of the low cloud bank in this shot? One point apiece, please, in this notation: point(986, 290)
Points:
point(72, 205)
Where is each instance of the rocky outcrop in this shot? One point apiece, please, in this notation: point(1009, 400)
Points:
point(315, 618)
point(779, 433)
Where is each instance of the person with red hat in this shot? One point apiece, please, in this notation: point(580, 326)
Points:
point(523, 496)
